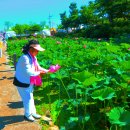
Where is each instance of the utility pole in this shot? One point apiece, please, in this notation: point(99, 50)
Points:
point(50, 16)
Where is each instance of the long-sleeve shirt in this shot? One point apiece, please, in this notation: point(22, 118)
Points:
point(25, 68)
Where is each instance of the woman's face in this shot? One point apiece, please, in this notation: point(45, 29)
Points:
point(33, 51)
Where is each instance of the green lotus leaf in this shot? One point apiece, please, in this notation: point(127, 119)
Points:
point(71, 86)
point(73, 119)
point(82, 76)
point(53, 75)
point(124, 85)
point(79, 91)
point(87, 117)
point(119, 71)
point(107, 80)
point(84, 119)
point(113, 49)
point(125, 65)
point(90, 81)
point(125, 45)
point(62, 128)
point(102, 94)
point(119, 116)
point(126, 77)
point(127, 127)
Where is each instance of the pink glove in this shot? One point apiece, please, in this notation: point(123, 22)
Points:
point(54, 68)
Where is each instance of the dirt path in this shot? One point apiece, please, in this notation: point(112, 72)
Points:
point(11, 108)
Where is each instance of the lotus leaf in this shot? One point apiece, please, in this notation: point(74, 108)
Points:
point(90, 81)
point(127, 127)
point(72, 119)
point(119, 116)
point(102, 94)
point(82, 76)
point(79, 91)
point(72, 122)
point(84, 119)
point(71, 86)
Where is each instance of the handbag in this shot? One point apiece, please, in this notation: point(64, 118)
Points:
point(20, 84)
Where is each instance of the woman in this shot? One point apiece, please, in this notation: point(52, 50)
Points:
point(27, 66)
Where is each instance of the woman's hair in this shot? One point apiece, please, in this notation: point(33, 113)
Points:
point(26, 47)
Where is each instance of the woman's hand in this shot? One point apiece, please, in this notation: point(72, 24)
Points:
point(42, 73)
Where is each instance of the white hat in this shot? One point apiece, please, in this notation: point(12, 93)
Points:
point(37, 47)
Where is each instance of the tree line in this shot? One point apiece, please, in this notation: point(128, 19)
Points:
point(101, 18)
point(29, 28)
point(98, 19)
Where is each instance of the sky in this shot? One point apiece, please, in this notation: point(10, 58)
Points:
point(35, 11)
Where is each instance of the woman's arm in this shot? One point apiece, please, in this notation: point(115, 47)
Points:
point(41, 68)
point(27, 67)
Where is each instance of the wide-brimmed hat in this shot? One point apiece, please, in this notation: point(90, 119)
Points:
point(37, 47)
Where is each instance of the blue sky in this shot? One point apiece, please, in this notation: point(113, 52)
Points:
point(35, 11)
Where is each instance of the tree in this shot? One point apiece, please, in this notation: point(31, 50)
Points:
point(118, 14)
point(42, 24)
point(64, 20)
point(35, 28)
point(60, 26)
point(7, 24)
point(18, 29)
point(103, 18)
point(88, 15)
point(26, 28)
point(74, 16)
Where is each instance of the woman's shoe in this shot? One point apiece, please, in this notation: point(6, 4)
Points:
point(37, 116)
point(29, 118)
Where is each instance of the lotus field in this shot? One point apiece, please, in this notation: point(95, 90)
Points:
point(91, 90)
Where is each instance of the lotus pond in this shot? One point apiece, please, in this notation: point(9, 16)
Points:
point(91, 90)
